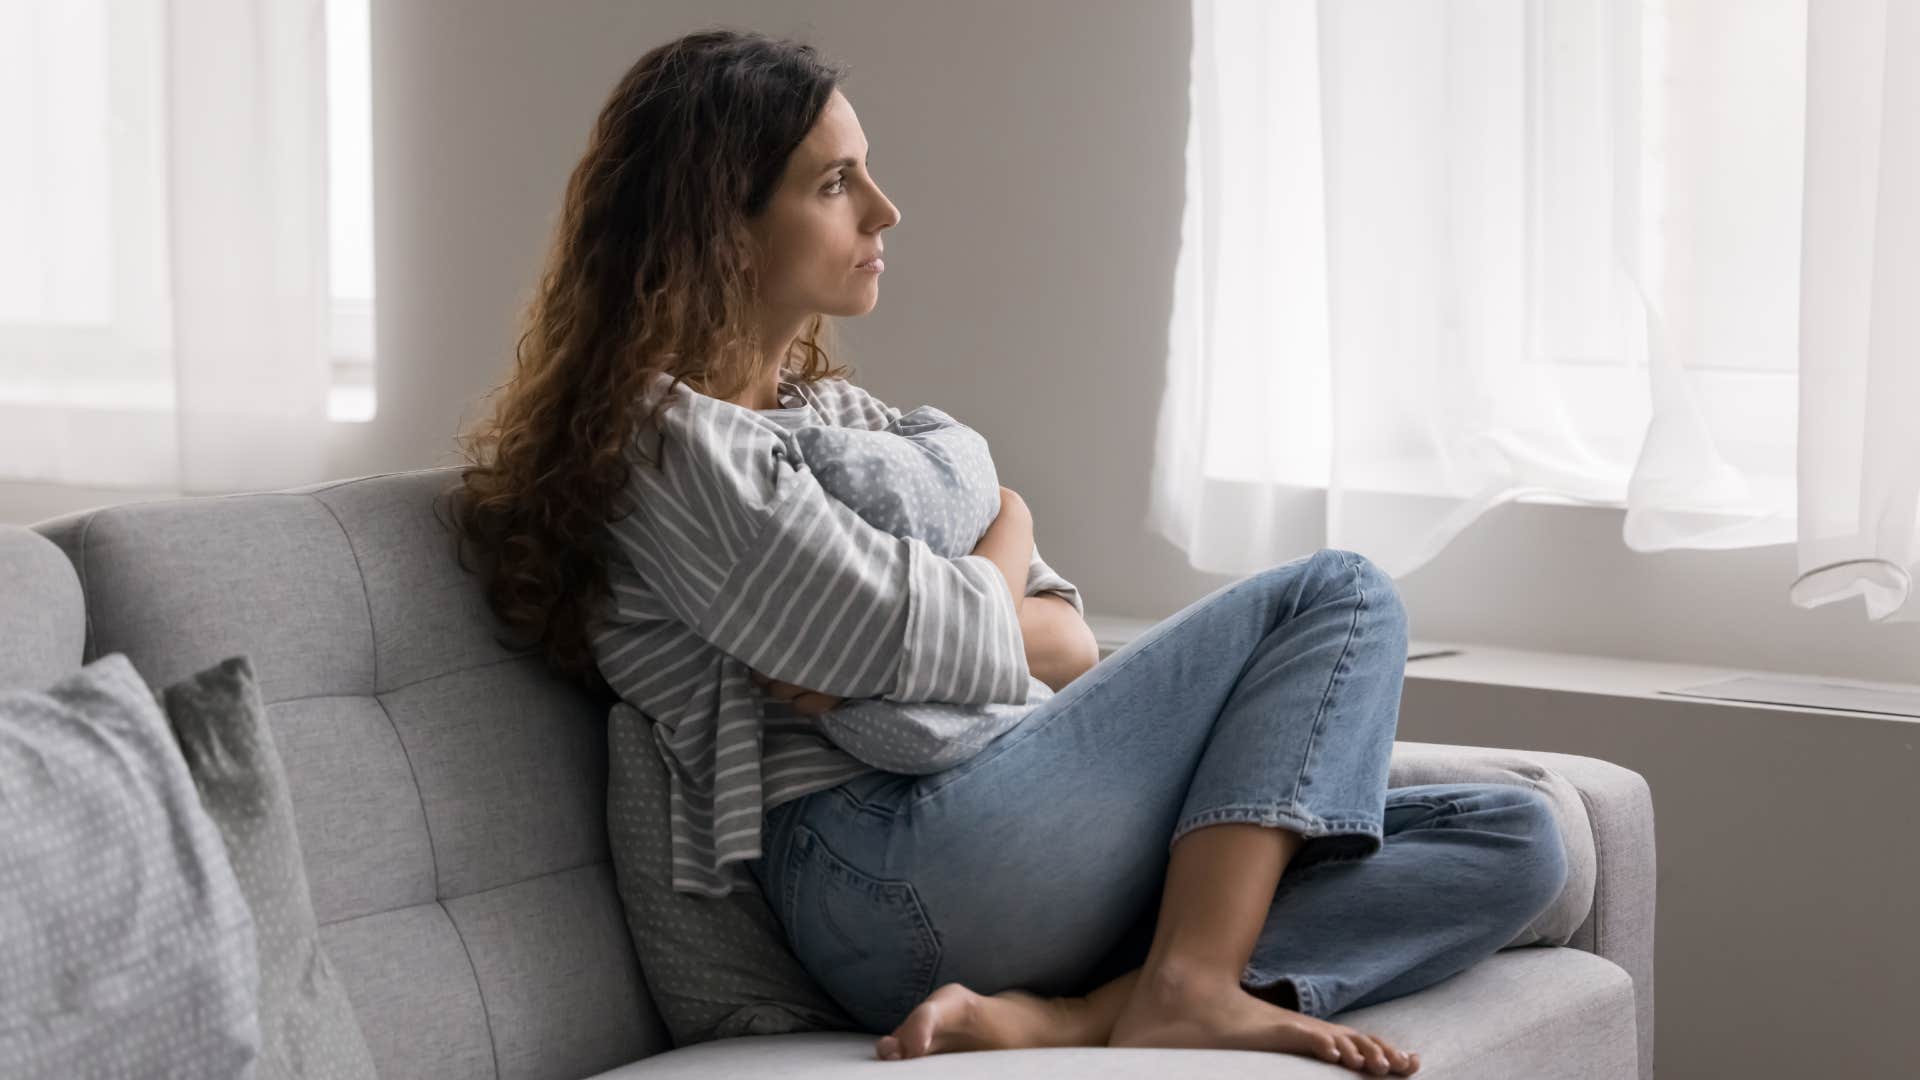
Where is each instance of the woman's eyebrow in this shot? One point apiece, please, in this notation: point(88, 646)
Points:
point(836, 163)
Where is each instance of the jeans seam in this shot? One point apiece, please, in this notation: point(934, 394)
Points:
point(861, 806)
point(790, 873)
point(1025, 730)
point(927, 948)
point(1346, 649)
point(1258, 813)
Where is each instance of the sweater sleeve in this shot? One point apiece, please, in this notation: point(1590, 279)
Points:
point(746, 548)
point(1042, 578)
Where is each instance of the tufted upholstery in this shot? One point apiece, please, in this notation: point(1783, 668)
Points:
point(450, 793)
point(450, 796)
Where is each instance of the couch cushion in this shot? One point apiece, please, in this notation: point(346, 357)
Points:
point(445, 788)
point(716, 967)
point(1528, 1014)
point(43, 622)
point(125, 943)
point(307, 1026)
point(1417, 763)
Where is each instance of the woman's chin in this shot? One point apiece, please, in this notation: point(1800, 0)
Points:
point(859, 306)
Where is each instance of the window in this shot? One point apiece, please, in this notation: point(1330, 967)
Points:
point(350, 207)
point(84, 294)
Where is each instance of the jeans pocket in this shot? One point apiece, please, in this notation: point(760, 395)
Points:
point(872, 793)
point(867, 941)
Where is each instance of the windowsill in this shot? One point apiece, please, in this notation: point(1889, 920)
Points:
point(1574, 673)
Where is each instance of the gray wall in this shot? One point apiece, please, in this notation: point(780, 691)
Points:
point(1035, 151)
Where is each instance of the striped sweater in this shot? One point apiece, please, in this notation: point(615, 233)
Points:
point(731, 559)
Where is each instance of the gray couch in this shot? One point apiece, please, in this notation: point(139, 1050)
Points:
point(450, 797)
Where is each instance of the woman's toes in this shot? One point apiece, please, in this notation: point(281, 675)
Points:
point(946, 1020)
point(1399, 1061)
point(1373, 1059)
point(1326, 1048)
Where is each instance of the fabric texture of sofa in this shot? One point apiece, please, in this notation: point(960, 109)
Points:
point(450, 797)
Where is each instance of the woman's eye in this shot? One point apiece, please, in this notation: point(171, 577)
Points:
point(838, 182)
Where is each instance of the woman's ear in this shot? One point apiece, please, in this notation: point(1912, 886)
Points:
point(746, 251)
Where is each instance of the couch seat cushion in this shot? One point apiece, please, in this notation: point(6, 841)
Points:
point(1532, 1013)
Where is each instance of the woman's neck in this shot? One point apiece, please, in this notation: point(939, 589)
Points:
point(761, 396)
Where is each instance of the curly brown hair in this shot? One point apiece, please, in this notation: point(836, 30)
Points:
point(645, 275)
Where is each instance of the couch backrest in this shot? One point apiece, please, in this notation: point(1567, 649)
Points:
point(450, 793)
point(42, 622)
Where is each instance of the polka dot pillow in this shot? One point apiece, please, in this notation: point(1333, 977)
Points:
point(307, 1026)
point(929, 476)
point(925, 475)
point(126, 947)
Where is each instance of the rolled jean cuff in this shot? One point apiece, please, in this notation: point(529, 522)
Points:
point(1325, 840)
point(1306, 999)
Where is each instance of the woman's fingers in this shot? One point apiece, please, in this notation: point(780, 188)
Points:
point(801, 698)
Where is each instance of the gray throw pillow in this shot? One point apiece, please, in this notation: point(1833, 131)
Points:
point(307, 1026)
point(126, 947)
point(925, 475)
point(715, 967)
point(928, 476)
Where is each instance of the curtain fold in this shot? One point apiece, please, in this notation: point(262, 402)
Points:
point(1438, 255)
point(1859, 320)
point(247, 172)
point(167, 323)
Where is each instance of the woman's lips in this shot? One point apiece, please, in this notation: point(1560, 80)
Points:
point(876, 266)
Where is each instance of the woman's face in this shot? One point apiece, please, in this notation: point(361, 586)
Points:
point(823, 221)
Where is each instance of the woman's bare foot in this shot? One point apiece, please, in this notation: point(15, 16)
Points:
point(1172, 1010)
point(955, 1018)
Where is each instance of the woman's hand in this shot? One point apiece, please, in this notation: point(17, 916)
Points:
point(803, 700)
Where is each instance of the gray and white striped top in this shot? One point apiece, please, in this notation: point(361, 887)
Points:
point(730, 559)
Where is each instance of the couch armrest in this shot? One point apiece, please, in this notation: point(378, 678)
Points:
point(43, 622)
point(1618, 806)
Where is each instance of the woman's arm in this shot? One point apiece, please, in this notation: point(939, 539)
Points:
point(1008, 542)
point(1060, 644)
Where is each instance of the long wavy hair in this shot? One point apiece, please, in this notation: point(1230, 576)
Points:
point(645, 275)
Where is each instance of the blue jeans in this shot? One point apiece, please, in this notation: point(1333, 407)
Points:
point(1039, 862)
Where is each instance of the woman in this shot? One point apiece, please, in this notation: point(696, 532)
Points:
point(1217, 787)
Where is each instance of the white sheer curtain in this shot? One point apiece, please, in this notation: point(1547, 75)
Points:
point(1860, 310)
point(1439, 254)
point(164, 310)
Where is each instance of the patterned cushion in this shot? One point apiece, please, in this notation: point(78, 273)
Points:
point(928, 476)
point(925, 475)
point(450, 792)
point(126, 947)
point(307, 1027)
point(714, 967)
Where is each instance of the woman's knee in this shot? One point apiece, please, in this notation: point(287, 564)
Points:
point(1539, 869)
point(1339, 572)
